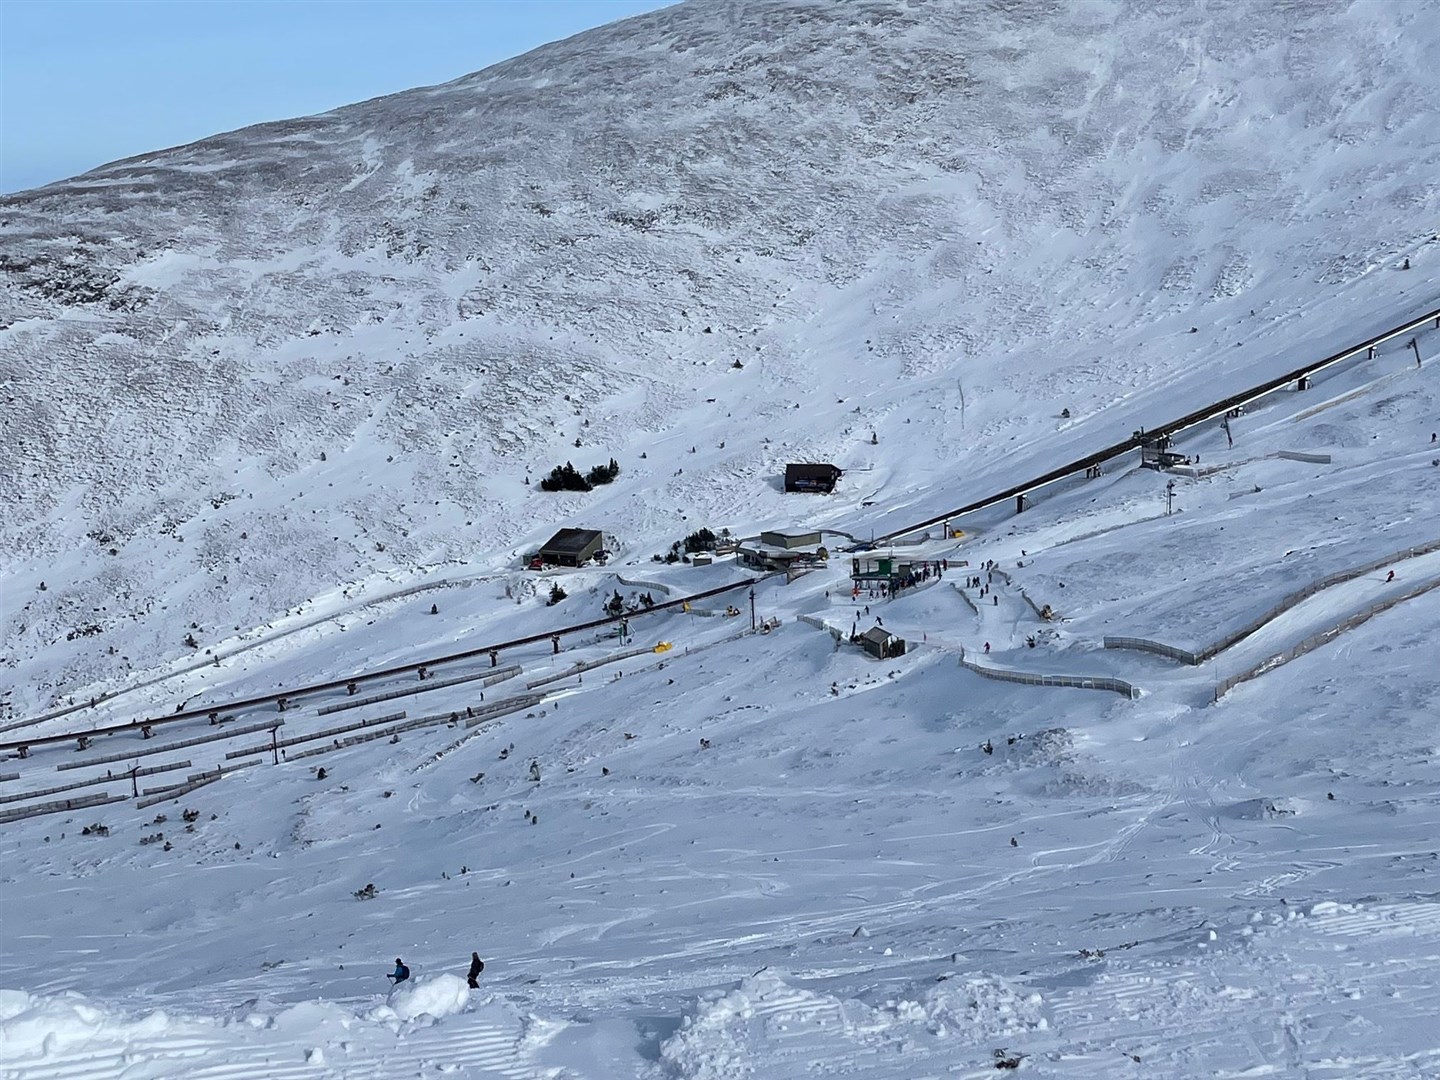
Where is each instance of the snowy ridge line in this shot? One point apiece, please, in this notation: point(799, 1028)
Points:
point(406, 691)
point(20, 813)
point(1314, 641)
point(336, 684)
point(588, 665)
point(94, 781)
point(1212, 650)
point(312, 736)
point(1082, 682)
point(268, 725)
point(1199, 416)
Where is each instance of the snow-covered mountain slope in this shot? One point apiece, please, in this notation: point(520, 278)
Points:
point(748, 855)
point(329, 352)
point(771, 856)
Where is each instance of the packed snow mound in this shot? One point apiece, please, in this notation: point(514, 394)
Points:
point(335, 348)
point(977, 1008)
point(765, 1021)
point(38, 1025)
point(723, 1035)
point(443, 995)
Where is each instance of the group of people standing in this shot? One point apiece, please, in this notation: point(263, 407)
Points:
point(402, 972)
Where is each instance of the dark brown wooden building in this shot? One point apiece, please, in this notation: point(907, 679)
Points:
point(812, 478)
point(572, 547)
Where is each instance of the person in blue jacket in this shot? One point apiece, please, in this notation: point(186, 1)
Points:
point(401, 972)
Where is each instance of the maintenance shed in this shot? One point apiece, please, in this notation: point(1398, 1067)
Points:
point(572, 547)
point(811, 477)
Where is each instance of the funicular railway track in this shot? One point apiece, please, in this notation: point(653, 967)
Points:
point(298, 695)
point(1135, 441)
point(1169, 430)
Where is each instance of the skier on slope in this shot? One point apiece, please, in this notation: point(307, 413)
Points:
point(476, 967)
point(401, 972)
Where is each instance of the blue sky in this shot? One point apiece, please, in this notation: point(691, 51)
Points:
point(84, 82)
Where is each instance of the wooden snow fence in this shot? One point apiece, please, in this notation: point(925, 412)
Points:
point(501, 708)
point(1082, 682)
point(471, 716)
point(378, 733)
point(423, 687)
point(20, 813)
point(1159, 648)
point(647, 585)
point(499, 675)
point(152, 796)
point(94, 781)
point(1294, 599)
point(1314, 641)
point(267, 725)
point(589, 665)
point(820, 624)
point(296, 740)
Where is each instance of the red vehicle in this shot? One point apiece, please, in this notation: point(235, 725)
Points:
point(537, 563)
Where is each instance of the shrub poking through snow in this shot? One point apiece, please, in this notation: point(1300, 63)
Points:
point(603, 474)
point(568, 478)
point(699, 540)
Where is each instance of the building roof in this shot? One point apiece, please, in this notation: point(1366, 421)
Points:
point(811, 469)
point(877, 634)
point(790, 538)
point(571, 541)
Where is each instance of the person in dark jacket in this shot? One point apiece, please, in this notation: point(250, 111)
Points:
point(401, 972)
point(476, 967)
